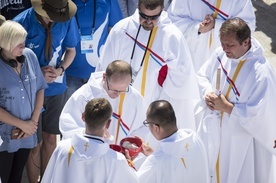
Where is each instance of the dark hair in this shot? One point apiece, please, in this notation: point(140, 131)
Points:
point(118, 68)
point(237, 26)
point(151, 4)
point(161, 111)
point(97, 112)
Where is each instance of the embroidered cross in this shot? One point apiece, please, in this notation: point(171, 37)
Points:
point(187, 146)
point(275, 144)
point(86, 146)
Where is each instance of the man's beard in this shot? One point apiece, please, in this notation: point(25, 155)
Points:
point(148, 27)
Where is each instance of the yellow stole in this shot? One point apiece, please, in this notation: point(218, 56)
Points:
point(147, 56)
point(121, 102)
point(227, 96)
point(215, 15)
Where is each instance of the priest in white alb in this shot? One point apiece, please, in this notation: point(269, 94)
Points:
point(242, 137)
point(200, 21)
point(180, 156)
point(127, 103)
point(86, 157)
point(159, 57)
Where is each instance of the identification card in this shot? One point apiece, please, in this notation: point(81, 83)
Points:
point(86, 44)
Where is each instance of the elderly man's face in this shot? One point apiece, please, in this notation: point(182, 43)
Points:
point(149, 18)
point(232, 47)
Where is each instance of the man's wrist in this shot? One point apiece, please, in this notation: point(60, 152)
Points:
point(62, 69)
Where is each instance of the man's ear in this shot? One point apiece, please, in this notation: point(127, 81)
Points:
point(156, 128)
point(104, 76)
point(82, 117)
point(108, 123)
point(246, 42)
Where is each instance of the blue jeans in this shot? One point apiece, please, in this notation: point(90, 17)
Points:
point(73, 84)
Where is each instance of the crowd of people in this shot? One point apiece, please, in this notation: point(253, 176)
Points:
point(187, 78)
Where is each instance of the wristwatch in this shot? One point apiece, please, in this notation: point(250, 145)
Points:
point(62, 68)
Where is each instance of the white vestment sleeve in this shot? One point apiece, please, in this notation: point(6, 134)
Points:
point(51, 167)
point(148, 172)
point(256, 115)
point(70, 120)
point(123, 173)
point(180, 87)
point(179, 13)
point(205, 75)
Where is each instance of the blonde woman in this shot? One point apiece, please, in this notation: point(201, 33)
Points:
point(21, 97)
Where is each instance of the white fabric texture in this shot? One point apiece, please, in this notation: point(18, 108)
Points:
point(247, 134)
point(179, 158)
point(133, 111)
point(169, 48)
point(187, 15)
point(89, 161)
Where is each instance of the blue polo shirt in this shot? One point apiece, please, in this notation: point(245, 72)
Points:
point(108, 13)
point(64, 34)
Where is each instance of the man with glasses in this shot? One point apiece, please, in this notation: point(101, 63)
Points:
point(127, 104)
point(159, 58)
point(128, 7)
point(181, 155)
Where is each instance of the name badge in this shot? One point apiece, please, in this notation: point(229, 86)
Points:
point(86, 44)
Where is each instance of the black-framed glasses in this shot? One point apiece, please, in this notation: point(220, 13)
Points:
point(146, 17)
point(146, 123)
point(117, 91)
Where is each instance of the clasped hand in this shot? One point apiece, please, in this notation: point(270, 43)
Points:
point(50, 73)
point(207, 24)
point(28, 128)
point(218, 102)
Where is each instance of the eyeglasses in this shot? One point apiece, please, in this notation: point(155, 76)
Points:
point(146, 123)
point(146, 17)
point(117, 91)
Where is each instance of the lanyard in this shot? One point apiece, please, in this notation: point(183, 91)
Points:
point(135, 41)
point(134, 73)
point(93, 22)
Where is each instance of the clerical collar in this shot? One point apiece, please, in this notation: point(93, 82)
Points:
point(244, 55)
point(99, 139)
point(171, 137)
